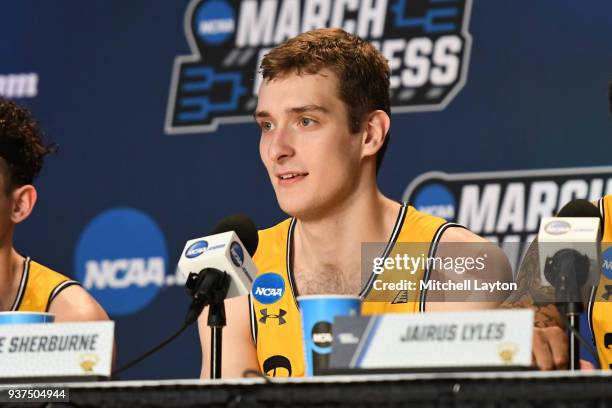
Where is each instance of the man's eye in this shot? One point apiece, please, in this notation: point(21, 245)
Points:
point(306, 121)
point(265, 126)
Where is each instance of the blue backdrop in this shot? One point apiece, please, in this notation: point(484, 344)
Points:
point(124, 194)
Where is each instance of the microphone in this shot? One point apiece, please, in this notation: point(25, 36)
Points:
point(573, 235)
point(568, 247)
point(219, 266)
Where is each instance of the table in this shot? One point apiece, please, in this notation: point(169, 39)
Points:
point(490, 390)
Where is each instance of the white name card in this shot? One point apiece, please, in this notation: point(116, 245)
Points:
point(481, 339)
point(56, 350)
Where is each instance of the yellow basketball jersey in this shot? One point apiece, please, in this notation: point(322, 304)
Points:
point(39, 286)
point(600, 306)
point(275, 314)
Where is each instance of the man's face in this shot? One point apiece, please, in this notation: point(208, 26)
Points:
point(312, 159)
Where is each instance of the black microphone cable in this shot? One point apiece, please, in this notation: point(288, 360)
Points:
point(152, 351)
point(210, 286)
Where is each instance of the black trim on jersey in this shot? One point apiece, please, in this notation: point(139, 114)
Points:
point(602, 212)
point(590, 313)
point(61, 286)
point(252, 315)
point(432, 252)
point(294, 290)
point(22, 285)
point(592, 300)
point(397, 228)
point(399, 222)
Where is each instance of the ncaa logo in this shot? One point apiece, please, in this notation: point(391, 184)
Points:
point(322, 334)
point(120, 258)
point(606, 267)
point(268, 288)
point(236, 254)
point(214, 22)
point(196, 249)
point(557, 227)
point(437, 200)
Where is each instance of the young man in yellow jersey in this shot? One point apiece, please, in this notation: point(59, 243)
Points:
point(324, 115)
point(26, 285)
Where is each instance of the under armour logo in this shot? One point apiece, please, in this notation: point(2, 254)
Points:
point(402, 297)
point(274, 363)
point(608, 292)
point(280, 316)
point(607, 340)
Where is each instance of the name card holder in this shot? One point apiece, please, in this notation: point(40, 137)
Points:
point(436, 341)
point(78, 351)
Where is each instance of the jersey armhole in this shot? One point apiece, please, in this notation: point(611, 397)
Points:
point(602, 213)
point(252, 320)
point(432, 252)
point(56, 291)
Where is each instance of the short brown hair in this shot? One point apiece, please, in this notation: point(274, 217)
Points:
point(22, 145)
point(363, 73)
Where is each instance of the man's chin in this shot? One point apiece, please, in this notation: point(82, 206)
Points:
point(294, 207)
point(302, 211)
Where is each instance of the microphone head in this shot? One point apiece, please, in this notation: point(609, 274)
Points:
point(579, 208)
point(243, 227)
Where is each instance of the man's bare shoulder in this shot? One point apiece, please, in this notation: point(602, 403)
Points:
point(460, 234)
point(461, 242)
point(75, 304)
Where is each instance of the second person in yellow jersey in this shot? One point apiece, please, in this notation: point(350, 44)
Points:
point(26, 285)
point(600, 303)
point(324, 115)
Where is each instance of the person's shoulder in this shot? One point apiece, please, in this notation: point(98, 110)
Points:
point(68, 301)
point(274, 232)
point(419, 226)
point(415, 216)
point(458, 233)
point(74, 303)
point(38, 269)
point(272, 242)
point(449, 231)
point(43, 281)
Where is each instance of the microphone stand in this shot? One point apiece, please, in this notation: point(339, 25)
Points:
point(216, 322)
point(210, 287)
point(568, 270)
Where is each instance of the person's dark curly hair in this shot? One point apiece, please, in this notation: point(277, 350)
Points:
point(22, 145)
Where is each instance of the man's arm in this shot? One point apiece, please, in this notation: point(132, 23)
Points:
point(74, 304)
point(456, 243)
point(239, 353)
point(549, 339)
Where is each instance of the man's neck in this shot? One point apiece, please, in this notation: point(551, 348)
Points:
point(332, 244)
point(11, 268)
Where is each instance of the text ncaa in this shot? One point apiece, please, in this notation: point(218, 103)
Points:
point(426, 43)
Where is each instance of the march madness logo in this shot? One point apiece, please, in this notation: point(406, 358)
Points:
point(505, 206)
point(426, 43)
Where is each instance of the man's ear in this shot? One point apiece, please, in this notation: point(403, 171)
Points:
point(23, 200)
point(375, 132)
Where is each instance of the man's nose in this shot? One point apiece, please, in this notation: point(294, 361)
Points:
point(281, 145)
